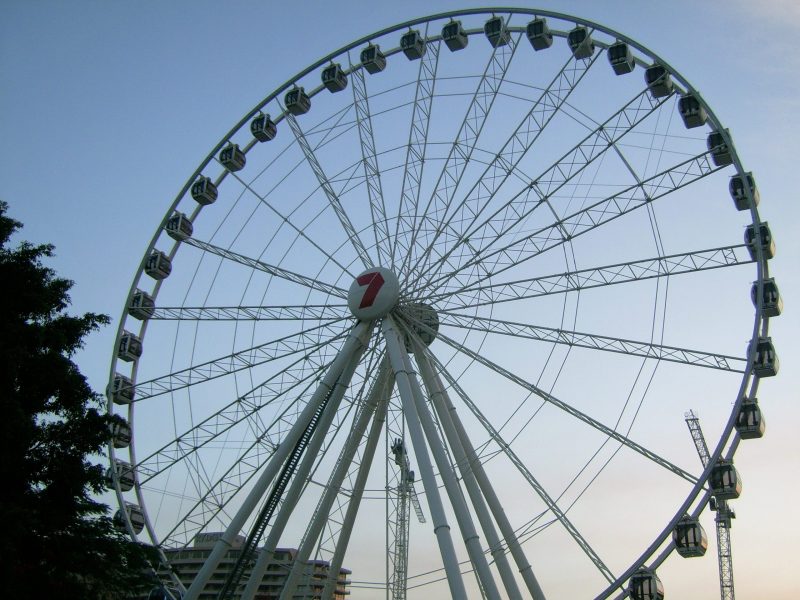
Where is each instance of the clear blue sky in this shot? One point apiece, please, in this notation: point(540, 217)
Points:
point(107, 107)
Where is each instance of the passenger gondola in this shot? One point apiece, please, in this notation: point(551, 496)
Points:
point(204, 191)
point(454, 36)
point(539, 34)
point(232, 158)
point(725, 482)
point(373, 59)
point(691, 111)
point(621, 58)
point(121, 390)
point(142, 305)
point(580, 42)
point(158, 265)
point(767, 243)
point(689, 537)
point(334, 78)
point(413, 44)
point(736, 187)
point(658, 81)
point(123, 473)
point(765, 363)
point(135, 515)
point(496, 32)
point(750, 422)
point(130, 347)
point(720, 153)
point(771, 302)
point(179, 227)
point(645, 585)
point(297, 101)
point(263, 128)
point(121, 433)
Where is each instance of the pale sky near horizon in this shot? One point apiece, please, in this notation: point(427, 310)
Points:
point(106, 108)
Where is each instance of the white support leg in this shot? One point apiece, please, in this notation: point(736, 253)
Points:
point(493, 501)
point(334, 485)
point(358, 489)
point(441, 528)
point(454, 492)
point(356, 341)
point(300, 477)
point(437, 396)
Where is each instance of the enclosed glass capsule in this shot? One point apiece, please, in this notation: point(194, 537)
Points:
point(691, 111)
point(121, 433)
point(263, 128)
point(690, 537)
point(121, 390)
point(720, 153)
point(158, 265)
point(179, 227)
point(164, 593)
point(135, 515)
point(725, 481)
point(621, 58)
point(750, 422)
point(142, 305)
point(645, 585)
point(738, 193)
point(297, 101)
point(539, 34)
point(767, 243)
point(496, 32)
point(454, 36)
point(766, 363)
point(232, 158)
point(373, 59)
point(334, 78)
point(122, 472)
point(413, 44)
point(130, 347)
point(580, 42)
point(659, 81)
point(204, 191)
point(771, 303)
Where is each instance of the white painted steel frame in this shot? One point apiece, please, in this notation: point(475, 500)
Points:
point(694, 169)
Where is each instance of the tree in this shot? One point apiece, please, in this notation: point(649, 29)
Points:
point(57, 541)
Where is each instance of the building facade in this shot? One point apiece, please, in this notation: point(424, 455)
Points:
point(188, 561)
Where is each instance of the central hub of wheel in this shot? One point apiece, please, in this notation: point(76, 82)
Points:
point(373, 294)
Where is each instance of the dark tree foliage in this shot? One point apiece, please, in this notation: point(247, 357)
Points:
point(56, 540)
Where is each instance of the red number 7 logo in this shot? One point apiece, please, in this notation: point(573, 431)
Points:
point(374, 282)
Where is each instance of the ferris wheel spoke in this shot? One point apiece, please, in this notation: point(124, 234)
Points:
point(506, 161)
point(618, 273)
point(589, 218)
point(505, 447)
point(407, 212)
point(325, 184)
point(372, 174)
point(287, 221)
point(253, 263)
point(579, 339)
point(209, 429)
point(609, 432)
point(298, 312)
point(429, 225)
point(250, 357)
point(539, 192)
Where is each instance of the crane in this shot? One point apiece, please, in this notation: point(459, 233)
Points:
point(723, 517)
point(405, 493)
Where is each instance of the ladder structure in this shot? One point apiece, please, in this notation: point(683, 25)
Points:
point(723, 517)
point(406, 493)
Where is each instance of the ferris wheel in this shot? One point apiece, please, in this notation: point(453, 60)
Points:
point(476, 265)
